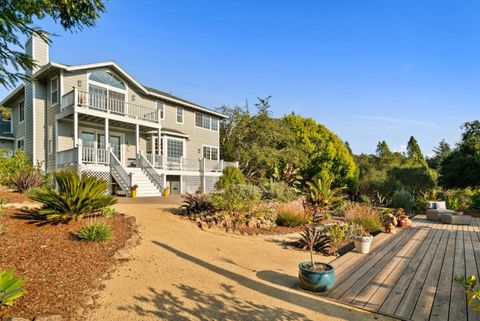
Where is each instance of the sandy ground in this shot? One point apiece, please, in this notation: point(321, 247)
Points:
point(180, 272)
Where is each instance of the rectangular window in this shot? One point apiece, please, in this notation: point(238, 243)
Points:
point(215, 124)
point(21, 144)
point(180, 115)
point(54, 90)
point(50, 139)
point(198, 119)
point(161, 108)
point(210, 152)
point(174, 148)
point(206, 122)
point(21, 111)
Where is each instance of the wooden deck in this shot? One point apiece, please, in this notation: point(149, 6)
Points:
point(410, 275)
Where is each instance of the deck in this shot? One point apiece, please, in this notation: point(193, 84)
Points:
point(410, 275)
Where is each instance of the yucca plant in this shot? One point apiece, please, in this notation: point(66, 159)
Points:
point(76, 196)
point(196, 203)
point(322, 196)
point(313, 239)
point(10, 287)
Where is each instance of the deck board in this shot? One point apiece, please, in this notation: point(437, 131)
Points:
point(410, 275)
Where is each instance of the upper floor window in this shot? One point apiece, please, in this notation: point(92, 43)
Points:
point(161, 108)
point(206, 122)
point(54, 91)
point(21, 111)
point(210, 152)
point(108, 78)
point(180, 115)
point(21, 144)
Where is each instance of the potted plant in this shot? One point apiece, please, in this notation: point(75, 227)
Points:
point(362, 240)
point(402, 217)
point(133, 190)
point(166, 191)
point(315, 276)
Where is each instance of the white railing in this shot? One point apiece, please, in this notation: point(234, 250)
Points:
point(68, 100)
point(67, 157)
point(192, 164)
point(95, 156)
point(229, 164)
point(212, 165)
point(150, 171)
point(111, 105)
point(186, 164)
point(155, 160)
point(123, 178)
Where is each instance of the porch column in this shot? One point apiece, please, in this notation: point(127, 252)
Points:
point(56, 142)
point(159, 141)
point(137, 140)
point(107, 134)
point(75, 129)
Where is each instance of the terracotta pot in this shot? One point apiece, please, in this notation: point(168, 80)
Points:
point(403, 221)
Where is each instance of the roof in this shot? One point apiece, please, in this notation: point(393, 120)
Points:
point(112, 64)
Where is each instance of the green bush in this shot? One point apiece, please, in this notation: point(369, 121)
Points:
point(278, 191)
point(107, 212)
point(230, 176)
point(339, 234)
point(95, 232)
point(475, 200)
point(77, 195)
point(288, 216)
point(458, 199)
point(27, 179)
point(403, 199)
point(11, 165)
point(236, 198)
point(10, 287)
point(196, 203)
point(368, 217)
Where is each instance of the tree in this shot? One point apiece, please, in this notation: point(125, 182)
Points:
point(462, 167)
point(17, 17)
point(442, 151)
point(414, 153)
point(383, 150)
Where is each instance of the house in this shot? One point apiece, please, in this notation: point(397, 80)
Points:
point(7, 139)
point(104, 122)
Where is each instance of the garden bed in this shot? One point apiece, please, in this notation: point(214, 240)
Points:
point(61, 271)
point(14, 197)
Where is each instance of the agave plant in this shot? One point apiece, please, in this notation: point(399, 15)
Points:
point(196, 203)
point(313, 239)
point(10, 287)
point(76, 196)
point(322, 196)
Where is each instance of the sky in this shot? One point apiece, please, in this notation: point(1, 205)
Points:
point(368, 70)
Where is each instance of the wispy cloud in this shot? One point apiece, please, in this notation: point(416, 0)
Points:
point(400, 121)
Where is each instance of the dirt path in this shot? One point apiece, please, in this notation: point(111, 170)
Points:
point(180, 272)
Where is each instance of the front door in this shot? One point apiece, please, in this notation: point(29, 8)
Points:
point(114, 143)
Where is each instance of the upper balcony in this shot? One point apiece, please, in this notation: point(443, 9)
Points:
point(108, 105)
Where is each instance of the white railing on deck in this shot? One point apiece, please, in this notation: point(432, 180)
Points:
point(114, 106)
point(67, 100)
point(212, 165)
point(155, 160)
point(120, 174)
point(95, 156)
point(186, 164)
point(229, 164)
point(150, 171)
point(66, 157)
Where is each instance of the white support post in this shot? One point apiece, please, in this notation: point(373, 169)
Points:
point(75, 129)
point(137, 141)
point(56, 142)
point(75, 97)
point(79, 153)
point(159, 142)
point(222, 165)
point(107, 134)
point(202, 176)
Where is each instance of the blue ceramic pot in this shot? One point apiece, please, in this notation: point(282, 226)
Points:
point(316, 281)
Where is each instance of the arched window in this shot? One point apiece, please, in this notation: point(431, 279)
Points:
point(108, 78)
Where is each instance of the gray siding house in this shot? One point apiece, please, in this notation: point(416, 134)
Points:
point(103, 121)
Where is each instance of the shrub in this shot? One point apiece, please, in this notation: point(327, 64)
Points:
point(77, 195)
point(11, 165)
point(10, 287)
point(458, 199)
point(364, 215)
point(338, 233)
point(236, 198)
point(230, 176)
point(107, 212)
point(322, 196)
point(291, 217)
point(95, 232)
point(475, 200)
point(3, 202)
point(403, 199)
point(278, 191)
point(27, 179)
point(196, 203)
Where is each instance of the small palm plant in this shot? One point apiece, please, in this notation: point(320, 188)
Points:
point(10, 287)
point(77, 195)
point(322, 196)
point(313, 239)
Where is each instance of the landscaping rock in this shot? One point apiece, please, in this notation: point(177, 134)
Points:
point(55, 317)
point(252, 223)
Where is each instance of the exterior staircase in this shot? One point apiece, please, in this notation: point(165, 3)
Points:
point(145, 186)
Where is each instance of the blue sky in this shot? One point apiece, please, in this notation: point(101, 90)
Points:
point(368, 70)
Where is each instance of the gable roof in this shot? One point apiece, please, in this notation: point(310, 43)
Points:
point(112, 64)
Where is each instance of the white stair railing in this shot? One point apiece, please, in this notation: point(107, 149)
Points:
point(151, 172)
point(120, 174)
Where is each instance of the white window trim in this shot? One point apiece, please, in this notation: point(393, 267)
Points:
point(21, 121)
point(176, 115)
point(19, 139)
point(163, 107)
point(58, 90)
point(211, 146)
point(211, 121)
point(184, 144)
